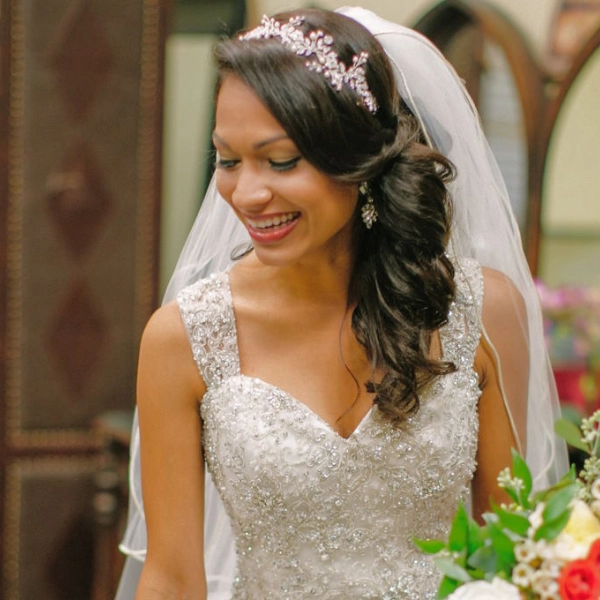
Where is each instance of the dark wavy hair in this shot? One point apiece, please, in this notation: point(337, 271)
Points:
point(402, 282)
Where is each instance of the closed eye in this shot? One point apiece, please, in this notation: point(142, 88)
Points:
point(222, 163)
point(285, 165)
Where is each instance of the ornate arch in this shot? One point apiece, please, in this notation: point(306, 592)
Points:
point(460, 29)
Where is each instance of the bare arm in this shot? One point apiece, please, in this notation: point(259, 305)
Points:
point(504, 322)
point(168, 389)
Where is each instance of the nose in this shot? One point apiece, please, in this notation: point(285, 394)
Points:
point(251, 192)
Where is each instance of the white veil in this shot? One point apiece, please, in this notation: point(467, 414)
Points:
point(483, 228)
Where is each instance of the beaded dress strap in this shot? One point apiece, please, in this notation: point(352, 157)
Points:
point(461, 335)
point(206, 309)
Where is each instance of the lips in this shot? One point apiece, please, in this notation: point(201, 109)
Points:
point(272, 229)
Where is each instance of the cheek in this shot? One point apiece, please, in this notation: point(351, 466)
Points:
point(337, 213)
point(338, 199)
point(347, 203)
point(225, 185)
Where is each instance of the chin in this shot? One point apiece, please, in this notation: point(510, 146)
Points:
point(276, 257)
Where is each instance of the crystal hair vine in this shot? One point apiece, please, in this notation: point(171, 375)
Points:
point(326, 61)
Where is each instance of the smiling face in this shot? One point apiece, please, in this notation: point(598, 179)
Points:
point(293, 211)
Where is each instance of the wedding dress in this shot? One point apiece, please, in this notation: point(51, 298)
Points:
point(315, 514)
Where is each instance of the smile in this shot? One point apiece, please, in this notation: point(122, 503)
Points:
point(272, 222)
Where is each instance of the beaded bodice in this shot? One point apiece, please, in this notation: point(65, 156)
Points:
point(318, 515)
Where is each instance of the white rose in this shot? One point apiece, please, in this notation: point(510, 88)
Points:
point(498, 589)
point(583, 525)
point(566, 548)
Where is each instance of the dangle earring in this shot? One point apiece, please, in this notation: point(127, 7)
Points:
point(368, 211)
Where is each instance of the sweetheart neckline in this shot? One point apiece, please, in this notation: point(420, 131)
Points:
point(295, 401)
point(298, 404)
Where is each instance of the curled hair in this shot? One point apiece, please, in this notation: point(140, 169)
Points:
point(402, 282)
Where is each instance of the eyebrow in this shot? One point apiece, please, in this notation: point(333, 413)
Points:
point(258, 145)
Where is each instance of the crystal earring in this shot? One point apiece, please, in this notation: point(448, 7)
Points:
point(368, 211)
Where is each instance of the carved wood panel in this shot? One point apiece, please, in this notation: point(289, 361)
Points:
point(80, 130)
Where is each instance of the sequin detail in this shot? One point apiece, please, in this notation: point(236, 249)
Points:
point(318, 515)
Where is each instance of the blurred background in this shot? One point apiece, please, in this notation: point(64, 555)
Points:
point(105, 120)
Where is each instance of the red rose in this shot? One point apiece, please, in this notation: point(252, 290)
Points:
point(594, 555)
point(579, 580)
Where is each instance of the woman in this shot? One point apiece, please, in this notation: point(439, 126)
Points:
point(357, 373)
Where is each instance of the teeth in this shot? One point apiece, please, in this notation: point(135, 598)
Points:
point(274, 222)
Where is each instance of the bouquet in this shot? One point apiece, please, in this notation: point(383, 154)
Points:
point(543, 546)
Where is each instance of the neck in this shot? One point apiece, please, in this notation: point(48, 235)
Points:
point(319, 281)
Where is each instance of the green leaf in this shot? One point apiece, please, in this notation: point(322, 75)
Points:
point(476, 574)
point(512, 521)
point(429, 546)
point(570, 413)
point(571, 434)
point(513, 495)
point(447, 586)
point(551, 529)
point(504, 548)
point(484, 559)
point(449, 568)
point(558, 503)
point(521, 470)
point(569, 479)
point(475, 537)
point(457, 540)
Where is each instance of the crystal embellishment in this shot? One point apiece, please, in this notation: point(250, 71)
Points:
point(368, 212)
point(326, 61)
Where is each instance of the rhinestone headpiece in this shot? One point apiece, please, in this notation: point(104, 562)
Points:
point(318, 44)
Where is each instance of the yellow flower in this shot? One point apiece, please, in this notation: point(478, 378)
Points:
point(583, 526)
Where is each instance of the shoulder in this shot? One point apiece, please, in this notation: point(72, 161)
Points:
point(164, 341)
point(502, 301)
point(503, 323)
point(165, 353)
point(164, 328)
point(494, 291)
point(167, 326)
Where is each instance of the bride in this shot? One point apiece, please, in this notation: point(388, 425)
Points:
point(370, 357)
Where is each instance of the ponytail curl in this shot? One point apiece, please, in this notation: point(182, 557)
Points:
point(403, 282)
